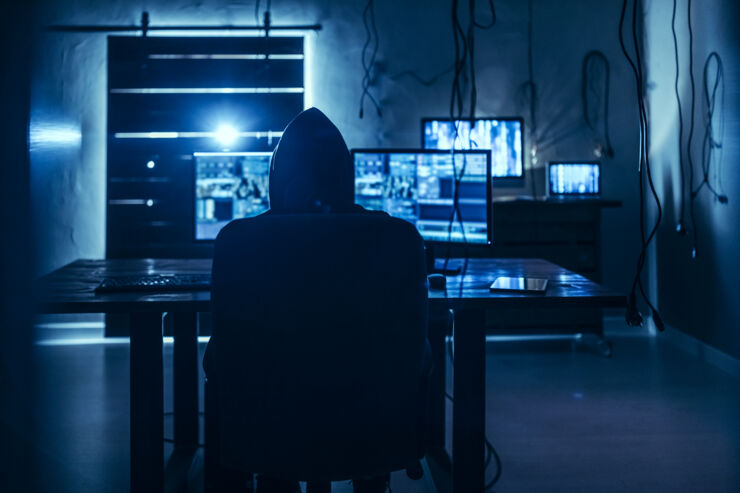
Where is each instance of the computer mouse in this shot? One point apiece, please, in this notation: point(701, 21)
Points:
point(437, 281)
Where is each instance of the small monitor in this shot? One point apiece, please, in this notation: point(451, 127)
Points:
point(419, 186)
point(229, 185)
point(503, 136)
point(574, 179)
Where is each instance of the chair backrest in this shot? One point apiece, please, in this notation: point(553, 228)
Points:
point(319, 323)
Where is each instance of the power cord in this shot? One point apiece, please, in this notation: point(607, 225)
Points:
point(633, 315)
point(590, 62)
point(529, 88)
point(421, 80)
point(681, 226)
point(710, 143)
point(689, 154)
point(371, 32)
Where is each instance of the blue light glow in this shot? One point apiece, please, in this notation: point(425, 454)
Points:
point(226, 134)
point(49, 135)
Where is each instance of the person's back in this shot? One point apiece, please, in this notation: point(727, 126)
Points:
point(311, 172)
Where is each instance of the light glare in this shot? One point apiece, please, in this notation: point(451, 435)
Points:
point(226, 134)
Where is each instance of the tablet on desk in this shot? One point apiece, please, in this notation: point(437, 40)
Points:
point(519, 284)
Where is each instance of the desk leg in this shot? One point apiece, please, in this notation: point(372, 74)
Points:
point(468, 420)
point(186, 380)
point(147, 403)
point(437, 458)
point(439, 322)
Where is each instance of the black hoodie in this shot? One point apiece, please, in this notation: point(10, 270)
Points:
point(311, 169)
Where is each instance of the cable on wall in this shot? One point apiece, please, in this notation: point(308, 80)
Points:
point(371, 33)
point(427, 82)
point(593, 62)
point(529, 88)
point(711, 142)
point(689, 153)
point(681, 226)
point(633, 315)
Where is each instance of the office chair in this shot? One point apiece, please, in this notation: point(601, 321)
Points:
point(319, 332)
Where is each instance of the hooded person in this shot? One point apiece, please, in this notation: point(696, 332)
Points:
point(311, 171)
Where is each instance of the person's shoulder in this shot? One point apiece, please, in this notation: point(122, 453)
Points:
point(235, 226)
point(358, 209)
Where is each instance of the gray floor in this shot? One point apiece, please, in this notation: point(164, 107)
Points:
point(562, 418)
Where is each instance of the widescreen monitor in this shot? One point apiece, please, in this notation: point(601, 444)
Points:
point(503, 136)
point(419, 186)
point(229, 185)
point(574, 179)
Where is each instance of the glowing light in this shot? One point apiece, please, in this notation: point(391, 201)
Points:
point(226, 134)
point(151, 164)
point(149, 202)
point(53, 135)
point(209, 90)
point(265, 134)
point(230, 56)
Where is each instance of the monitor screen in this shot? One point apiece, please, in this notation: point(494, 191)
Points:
point(574, 179)
point(503, 136)
point(419, 186)
point(229, 185)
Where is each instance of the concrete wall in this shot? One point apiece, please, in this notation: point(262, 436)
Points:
point(69, 91)
point(698, 296)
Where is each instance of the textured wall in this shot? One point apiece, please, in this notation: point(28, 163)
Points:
point(697, 296)
point(69, 89)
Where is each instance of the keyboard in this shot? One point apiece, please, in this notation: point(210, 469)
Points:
point(155, 283)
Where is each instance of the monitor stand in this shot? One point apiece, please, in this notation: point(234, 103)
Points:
point(436, 267)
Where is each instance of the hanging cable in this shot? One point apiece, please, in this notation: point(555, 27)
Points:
point(421, 80)
point(689, 154)
point(711, 143)
point(590, 63)
point(529, 88)
point(371, 32)
point(681, 226)
point(464, 69)
point(633, 316)
point(493, 20)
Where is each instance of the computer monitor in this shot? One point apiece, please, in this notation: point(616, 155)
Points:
point(574, 179)
point(503, 136)
point(419, 185)
point(229, 185)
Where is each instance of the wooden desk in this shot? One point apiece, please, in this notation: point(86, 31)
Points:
point(70, 289)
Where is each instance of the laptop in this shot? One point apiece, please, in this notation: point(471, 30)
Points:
point(574, 179)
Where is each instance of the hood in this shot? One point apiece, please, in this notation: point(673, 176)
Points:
point(311, 168)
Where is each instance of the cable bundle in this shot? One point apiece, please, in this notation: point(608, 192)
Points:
point(371, 32)
point(633, 315)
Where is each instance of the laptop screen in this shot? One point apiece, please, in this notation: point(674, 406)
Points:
point(574, 178)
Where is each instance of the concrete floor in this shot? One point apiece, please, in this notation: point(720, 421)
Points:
point(562, 418)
